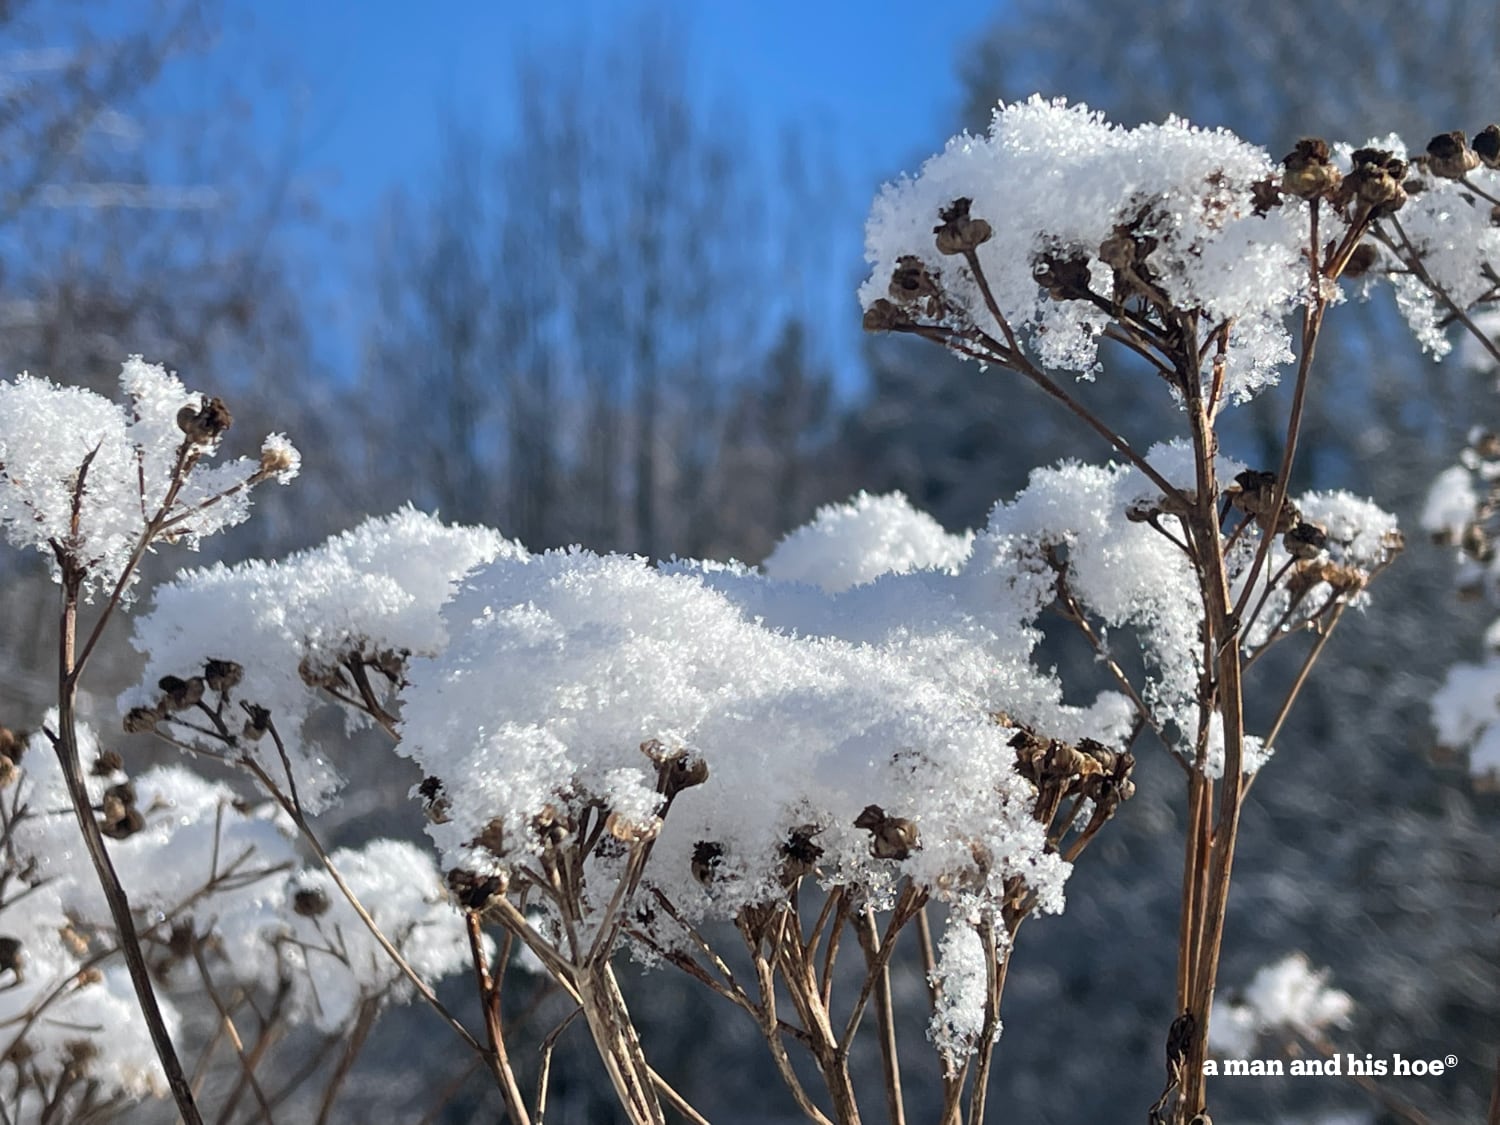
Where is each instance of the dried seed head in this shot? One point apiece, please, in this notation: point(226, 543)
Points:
point(316, 674)
point(1309, 171)
point(75, 942)
point(916, 288)
point(276, 458)
point(1449, 156)
point(78, 1055)
point(257, 722)
point(631, 831)
point(1305, 540)
point(205, 424)
point(8, 771)
point(1487, 146)
point(310, 902)
point(475, 892)
point(108, 762)
point(492, 839)
point(221, 675)
point(1064, 279)
point(958, 233)
point(179, 694)
point(799, 853)
point(143, 720)
point(1375, 181)
point(119, 819)
point(708, 858)
point(891, 837)
point(883, 316)
point(12, 743)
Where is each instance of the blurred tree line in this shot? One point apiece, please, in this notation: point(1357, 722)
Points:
point(594, 330)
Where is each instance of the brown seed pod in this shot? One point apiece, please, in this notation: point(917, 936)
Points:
point(473, 891)
point(205, 424)
point(309, 902)
point(222, 675)
point(958, 233)
point(1449, 156)
point(1309, 171)
point(891, 837)
point(1305, 540)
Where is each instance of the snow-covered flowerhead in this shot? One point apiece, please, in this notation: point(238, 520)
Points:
point(83, 479)
point(1068, 215)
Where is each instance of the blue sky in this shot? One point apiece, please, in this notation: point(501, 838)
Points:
point(875, 80)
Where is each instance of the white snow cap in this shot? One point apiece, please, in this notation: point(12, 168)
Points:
point(1056, 181)
point(1286, 996)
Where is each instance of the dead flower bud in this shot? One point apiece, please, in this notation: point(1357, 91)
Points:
point(179, 694)
point(475, 892)
point(435, 804)
point(891, 837)
point(1064, 279)
point(1143, 511)
point(799, 853)
point(221, 675)
point(78, 1055)
point(75, 942)
point(108, 762)
point(1362, 260)
point(318, 675)
point(915, 287)
point(206, 424)
point(492, 839)
point(1449, 156)
point(276, 459)
point(629, 831)
point(1309, 171)
point(1375, 181)
point(12, 743)
point(257, 722)
point(1305, 540)
point(708, 857)
point(310, 902)
point(8, 771)
point(1487, 146)
point(120, 820)
point(883, 316)
point(12, 957)
point(958, 233)
point(143, 720)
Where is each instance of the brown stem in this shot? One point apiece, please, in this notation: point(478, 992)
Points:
point(66, 746)
point(496, 1057)
point(890, 1058)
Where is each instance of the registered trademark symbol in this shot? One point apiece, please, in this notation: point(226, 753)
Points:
point(1451, 1060)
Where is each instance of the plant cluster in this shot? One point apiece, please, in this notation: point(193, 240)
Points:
point(733, 772)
